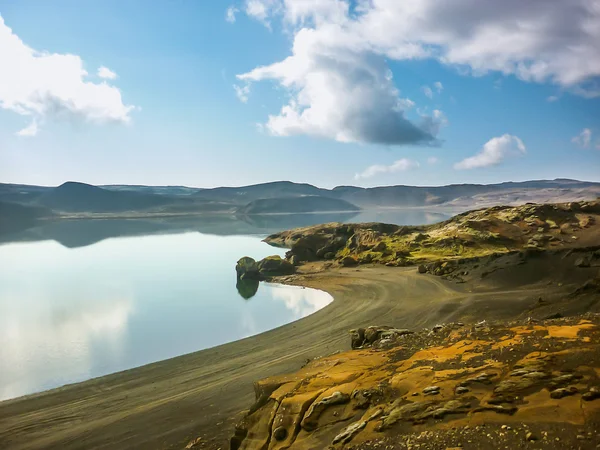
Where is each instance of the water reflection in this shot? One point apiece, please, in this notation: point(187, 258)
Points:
point(301, 301)
point(67, 315)
point(247, 288)
point(80, 233)
point(76, 303)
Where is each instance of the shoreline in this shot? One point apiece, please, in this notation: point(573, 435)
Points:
point(168, 403)
point(114, 411)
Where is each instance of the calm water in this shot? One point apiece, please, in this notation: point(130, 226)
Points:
point(88, 298)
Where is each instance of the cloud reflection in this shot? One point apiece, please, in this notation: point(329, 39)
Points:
point(52, 344)
point(300, 301)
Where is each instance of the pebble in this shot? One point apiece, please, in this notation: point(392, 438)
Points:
point(530, 436)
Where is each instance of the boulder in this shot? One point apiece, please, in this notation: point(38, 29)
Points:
point(422, 268)
point(273, 266)
point(349, 261)
point(247, 267)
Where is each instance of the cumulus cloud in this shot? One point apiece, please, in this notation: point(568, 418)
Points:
point(552, 99)
point(400, 165)
point(583, 139)
point(493, 152)
point(51, 85)
point(427, 91)
point(439, 87)
point(230, 14)
point(338, 77)
point(106, 73)
point(242, 92)
point(433, 160)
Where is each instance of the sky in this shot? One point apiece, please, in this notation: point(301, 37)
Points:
point(327, 92)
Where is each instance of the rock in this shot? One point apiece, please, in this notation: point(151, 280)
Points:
point(294, 260)
point(431, 390)
point(273, 266)
point(461, 390)
point(437, 328)
point(362, 399)
point(530, 436)
point(562, 392)
point(357, 338)
point(349, 261)
point(247, 267)
point(592, 394)
point(422, 268)
point(584, 261)
point(310, 421)
point(349, 432)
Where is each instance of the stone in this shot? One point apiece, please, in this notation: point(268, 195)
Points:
point(349, 261)
point(592, 394)
point(247, 267)
point(461, 390)
point(272, 266)
point(562, 392)
point(422, 268)
point(531, 437)
point(431, 390)
point(310, 421)
point(357, 338)
point(349, 432)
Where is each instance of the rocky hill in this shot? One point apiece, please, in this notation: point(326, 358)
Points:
point(485, 385)
point(440, 248)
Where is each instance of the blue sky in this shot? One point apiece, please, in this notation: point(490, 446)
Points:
point(360, 110)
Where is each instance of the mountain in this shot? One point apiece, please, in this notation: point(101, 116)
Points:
point(246, 194)
point(81, 197)
point(15, 216)
point(73, 197)
point(306, 204)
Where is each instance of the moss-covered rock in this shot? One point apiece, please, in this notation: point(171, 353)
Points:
point(273, 266)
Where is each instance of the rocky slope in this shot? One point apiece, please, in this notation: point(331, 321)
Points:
point(439, 248)
point(524, 384)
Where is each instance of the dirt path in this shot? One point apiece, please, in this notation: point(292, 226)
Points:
point(166, 404)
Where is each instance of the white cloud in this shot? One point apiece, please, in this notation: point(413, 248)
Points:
point(433, 160)
point(583, 139)
point(552, 98)
point(427, 91)
point(337, 73)
point(29, 131)
point(230, 14)
point(242, 92)
point(400, 165)
point(42, 84)
point(439, 87)
point(494, 151)
point(106, 73)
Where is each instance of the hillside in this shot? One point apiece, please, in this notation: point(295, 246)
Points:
point(14, 216)
point(478, 233)
point(305, 204)
point(286, 197)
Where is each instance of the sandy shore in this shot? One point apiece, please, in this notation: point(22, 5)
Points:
point(166, 404)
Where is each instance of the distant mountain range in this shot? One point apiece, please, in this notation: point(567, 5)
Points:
point(22, 204)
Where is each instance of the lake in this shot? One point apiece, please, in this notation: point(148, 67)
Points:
point(82, 299)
